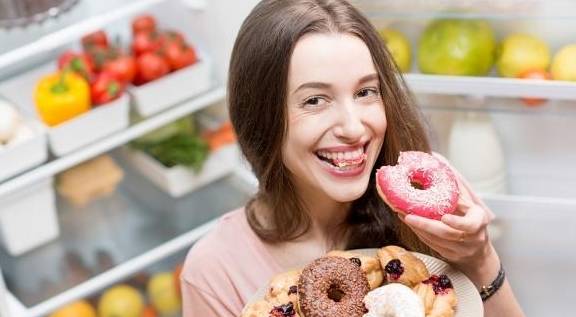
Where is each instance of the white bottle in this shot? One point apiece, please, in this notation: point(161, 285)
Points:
point(475, 150)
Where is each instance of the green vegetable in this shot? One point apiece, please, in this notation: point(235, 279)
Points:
point(175, 144)
point(181, 149)
point(184, 125)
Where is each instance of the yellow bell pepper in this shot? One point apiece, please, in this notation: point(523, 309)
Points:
point(61, 96)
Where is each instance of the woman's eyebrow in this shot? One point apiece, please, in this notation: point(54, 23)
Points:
point(317, 85)
point(321, 85)
point(368, 78)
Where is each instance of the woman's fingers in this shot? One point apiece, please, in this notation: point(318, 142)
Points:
point(473, 221)
point(433, 227)
point(465, 200)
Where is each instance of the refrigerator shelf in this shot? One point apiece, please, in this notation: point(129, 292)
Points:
point(490, 86)
point(495, 105)
point(140, 128)
point(103, 14)
point(115, 237)
point(472, 9)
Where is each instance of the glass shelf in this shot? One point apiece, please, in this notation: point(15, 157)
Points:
point(139, 128)
point(455, 103)
point(135, 219)
point(19, 43)
point(471, 9)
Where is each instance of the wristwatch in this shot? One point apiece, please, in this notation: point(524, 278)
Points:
point(489, 290)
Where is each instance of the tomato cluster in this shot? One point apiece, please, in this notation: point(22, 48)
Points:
point(108, 68)
point(158, 52)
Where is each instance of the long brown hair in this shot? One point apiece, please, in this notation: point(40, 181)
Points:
point(257, 93)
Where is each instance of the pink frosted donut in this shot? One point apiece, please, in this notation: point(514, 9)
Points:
point(419, 184)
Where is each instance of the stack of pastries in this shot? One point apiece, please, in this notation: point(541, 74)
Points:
point(344, 283)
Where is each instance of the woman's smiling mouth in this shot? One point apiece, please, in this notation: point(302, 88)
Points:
point(347, 161)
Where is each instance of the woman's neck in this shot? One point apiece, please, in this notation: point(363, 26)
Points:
point(328, 219)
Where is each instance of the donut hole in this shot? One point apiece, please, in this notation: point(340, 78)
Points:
point(335, 293)
point(420, 180)
point(417, 185)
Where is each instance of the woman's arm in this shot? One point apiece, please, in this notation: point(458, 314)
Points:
point(462, 239)
point(503, 302)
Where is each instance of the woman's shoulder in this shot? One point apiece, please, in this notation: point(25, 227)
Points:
point(211, 248)
point(222, 264)
point(227, 251)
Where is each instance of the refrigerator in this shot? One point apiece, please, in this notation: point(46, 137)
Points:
point(519, 158)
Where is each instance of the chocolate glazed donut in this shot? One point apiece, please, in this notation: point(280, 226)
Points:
point(332, 286)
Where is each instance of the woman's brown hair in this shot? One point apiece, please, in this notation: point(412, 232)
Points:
point(257, 93)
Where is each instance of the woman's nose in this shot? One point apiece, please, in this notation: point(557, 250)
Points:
point(350, 124)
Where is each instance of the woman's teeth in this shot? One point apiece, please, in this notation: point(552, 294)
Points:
point(343, 160)
point(350, 155)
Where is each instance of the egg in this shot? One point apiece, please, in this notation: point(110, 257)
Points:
point(9, 121)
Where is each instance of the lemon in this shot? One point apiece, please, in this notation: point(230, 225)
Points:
point(121, 301)
point(163, 293)
point(519, 53)
point(564, 64)
point(79, 308)
point(399, 47)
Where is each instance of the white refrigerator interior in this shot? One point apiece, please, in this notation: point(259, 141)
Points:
point(140, 226)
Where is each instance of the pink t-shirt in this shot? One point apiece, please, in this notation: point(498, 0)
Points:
point(229, 263)
point(226, 268)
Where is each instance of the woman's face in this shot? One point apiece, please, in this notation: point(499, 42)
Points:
point(336, 116)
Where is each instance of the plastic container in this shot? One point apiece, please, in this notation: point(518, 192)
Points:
point(90, 126)
point(166, 91)
point(179, 180)
point(75, 133)
point(28, 218)
point(22, 155)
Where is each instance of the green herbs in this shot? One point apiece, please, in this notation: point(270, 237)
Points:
point(175, 144)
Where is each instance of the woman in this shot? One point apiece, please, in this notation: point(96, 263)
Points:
point(310, 81)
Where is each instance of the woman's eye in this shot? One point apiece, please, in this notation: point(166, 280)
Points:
point(314, 101)
point(367, 92)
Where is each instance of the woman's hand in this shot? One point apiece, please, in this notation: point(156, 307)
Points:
point(462, 237)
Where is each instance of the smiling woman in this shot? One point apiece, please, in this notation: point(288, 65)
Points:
point(318, 105)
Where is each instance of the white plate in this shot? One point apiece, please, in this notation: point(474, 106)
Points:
point(469, 301)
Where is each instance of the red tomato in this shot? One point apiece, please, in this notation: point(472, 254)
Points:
point(98, 38)
point(101, 55)
point(78, 63)
point(122, 67)
point(179, 56)
point(144, 23)
point(146, 43)
point(172, 36)
point(535, 74)
point(150, 66)
point(105, 88)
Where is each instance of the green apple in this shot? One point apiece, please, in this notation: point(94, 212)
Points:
point(399, 47)
point(564, 64)
point(457, 47)
point(519, 53)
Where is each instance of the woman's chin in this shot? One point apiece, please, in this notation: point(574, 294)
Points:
point(346, 193)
